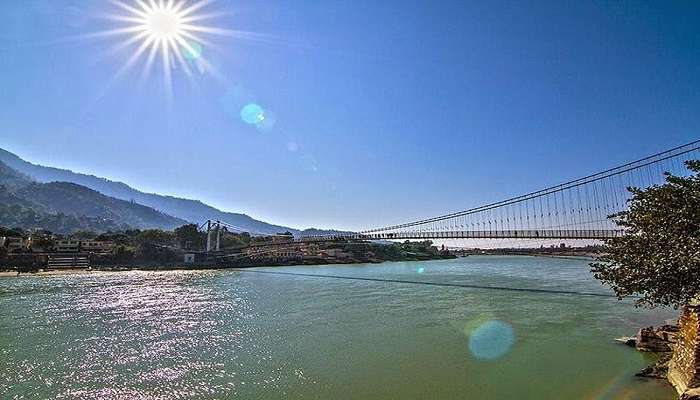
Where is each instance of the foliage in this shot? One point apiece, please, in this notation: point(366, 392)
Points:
point(155, 237)
point(17, 215)
point(76, 200)
point(12, 178)
point(189, 237)
point(10, 232)
point(67, 207)
point(154, 253)
point(118, 238)
point(84, 235)
point(122, 254)
point(235, 240)
point(658, 258)
point(42, 241)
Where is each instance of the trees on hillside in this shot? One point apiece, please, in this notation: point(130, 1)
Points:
point(189, 237)
point(658, 258)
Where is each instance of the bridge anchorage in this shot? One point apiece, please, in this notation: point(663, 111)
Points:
point(578, 209)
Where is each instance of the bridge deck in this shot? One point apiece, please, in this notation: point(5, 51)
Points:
point(500, 234)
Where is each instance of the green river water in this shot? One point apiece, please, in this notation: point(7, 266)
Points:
point(349, 332)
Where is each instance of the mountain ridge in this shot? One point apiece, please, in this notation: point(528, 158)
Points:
point(190, 210)
point(64, 207)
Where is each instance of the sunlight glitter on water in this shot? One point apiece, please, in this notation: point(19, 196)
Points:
point(133, 332)
point(226, 334)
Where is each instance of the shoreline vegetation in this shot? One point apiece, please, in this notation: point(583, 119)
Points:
point(159, 267)
point(184, 248)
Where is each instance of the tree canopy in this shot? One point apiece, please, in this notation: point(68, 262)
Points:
point(190, 237)
point(658, 258)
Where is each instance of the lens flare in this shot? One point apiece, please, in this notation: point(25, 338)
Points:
point(252, 114)
point(491, 340)
point(267, 122)
point(193, 51)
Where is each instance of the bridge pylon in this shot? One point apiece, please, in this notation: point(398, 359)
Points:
point(213, 227)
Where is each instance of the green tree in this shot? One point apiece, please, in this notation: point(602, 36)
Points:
point(84, 235)
point(150, 252)
point(155, 237)
point(234, 240)
point(10, 232)
point(189, 237)
point(658, 258)
point(122, 254)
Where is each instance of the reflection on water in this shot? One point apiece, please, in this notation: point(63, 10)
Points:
point(226, 334)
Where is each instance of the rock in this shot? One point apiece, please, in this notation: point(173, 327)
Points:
point(658, 370)
point(628, 340)
point(684, 368)
point(668, 328)
point(648, 340)
point(691, 394)
point(668, 333)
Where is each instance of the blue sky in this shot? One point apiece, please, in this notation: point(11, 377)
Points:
point(384, 111)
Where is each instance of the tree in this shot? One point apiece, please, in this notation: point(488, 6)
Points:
point(155, 237)
point(154, 252)
point(658, 258)
point(190, 237)
point(122, 254)
point(84, 235)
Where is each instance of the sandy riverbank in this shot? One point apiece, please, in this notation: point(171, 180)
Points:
point(71, 271)
point(83, 271)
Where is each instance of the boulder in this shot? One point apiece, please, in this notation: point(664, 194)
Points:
point(668, 332)
point(628, 340)
point(691, 394)
point(647, 339)
point(684, 368)
point(658, 370)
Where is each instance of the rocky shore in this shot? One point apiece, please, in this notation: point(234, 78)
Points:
point(654, 340)
point(668, 344)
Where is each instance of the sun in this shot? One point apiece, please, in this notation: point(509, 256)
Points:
point(172, 33)
point(163, 24)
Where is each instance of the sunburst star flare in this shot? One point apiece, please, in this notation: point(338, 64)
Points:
point(171, 31)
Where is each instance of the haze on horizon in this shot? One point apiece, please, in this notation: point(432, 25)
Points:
point(373, 113)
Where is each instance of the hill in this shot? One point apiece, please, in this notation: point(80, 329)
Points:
point(16, 212)
point(66, 207)
point(193, 211)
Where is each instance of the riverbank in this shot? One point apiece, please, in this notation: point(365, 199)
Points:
point(71, 271)
point(273, 254)
point(178, 266)
point(101, 270)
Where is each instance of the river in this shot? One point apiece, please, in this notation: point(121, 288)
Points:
point(481, 327)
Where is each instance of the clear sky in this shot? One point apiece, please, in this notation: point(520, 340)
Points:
point(383, 111)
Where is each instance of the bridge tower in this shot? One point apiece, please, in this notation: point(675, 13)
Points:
point(213, 227)
point(208, 235)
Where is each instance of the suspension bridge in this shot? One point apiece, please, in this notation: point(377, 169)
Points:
point(578, 209)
